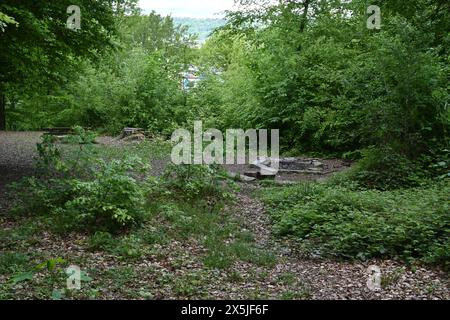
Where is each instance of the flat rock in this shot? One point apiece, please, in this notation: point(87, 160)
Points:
point(245, 178)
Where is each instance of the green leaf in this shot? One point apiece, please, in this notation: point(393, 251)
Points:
point(25, 276)
point(51, 264)
point(85, 277)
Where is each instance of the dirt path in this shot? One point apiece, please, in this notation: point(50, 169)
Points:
point(337, 280)
point(17, 150)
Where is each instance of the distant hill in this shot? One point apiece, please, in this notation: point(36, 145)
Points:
point(202, 27)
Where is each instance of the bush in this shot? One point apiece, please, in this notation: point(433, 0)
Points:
point(81, 136)
point(108, 195)
point(49, 155)
point(195, 181)
point(385, 169)
point(114, 198)
point(335, 221)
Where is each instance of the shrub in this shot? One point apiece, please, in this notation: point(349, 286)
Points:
point(49, 155)
point(335, 221)
point(114, 198)
point(195, 181)
point(93, 193)
point(81, 136)
point(384, 169)
point(130, 248)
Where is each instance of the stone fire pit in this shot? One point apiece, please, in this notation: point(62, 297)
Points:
point(286, 170)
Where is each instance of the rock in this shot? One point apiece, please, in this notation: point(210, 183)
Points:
point(317, 164)
point(261, 161)
point(253, 174)
point(316, 254)
point(245, 178)
point(60, 138)
point(314, 170)
point(268, 171)
point(241, 177)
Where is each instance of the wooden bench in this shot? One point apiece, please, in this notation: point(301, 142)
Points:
point(61, 131)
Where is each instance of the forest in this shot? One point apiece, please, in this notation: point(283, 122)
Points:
point(368, 106)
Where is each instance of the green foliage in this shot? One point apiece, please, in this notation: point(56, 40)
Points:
point(334, 87)
point(335, 221)
point(39, 52)
point(384, 169)
point(129, 248)
point(5, 20)
point(49, 155)
point(137, 86)
point(100, 241)
point(111, 194)
point(196, 181)
point(112, 198)
point(308, 68)
point(189, 285)
point(81, 136)
point(25, 276)
point(48, 265)
point(12, 262)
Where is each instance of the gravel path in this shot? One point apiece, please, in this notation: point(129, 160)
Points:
point(17, 151)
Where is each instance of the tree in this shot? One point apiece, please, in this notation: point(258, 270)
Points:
point(38, 50)
point(154, 33)
point(332, 85)
point(137, 85)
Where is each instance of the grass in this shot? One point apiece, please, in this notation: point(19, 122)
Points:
point(391, 278)
point(190, 284)
point(19, 237)
point(220, 236)
point(303, 293)
point(287, 278)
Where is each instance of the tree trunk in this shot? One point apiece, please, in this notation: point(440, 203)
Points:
point(2, 111)
point(304, 15)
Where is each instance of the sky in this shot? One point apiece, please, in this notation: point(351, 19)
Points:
point(188, 8)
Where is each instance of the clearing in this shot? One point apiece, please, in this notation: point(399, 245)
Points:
point(190, 266)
